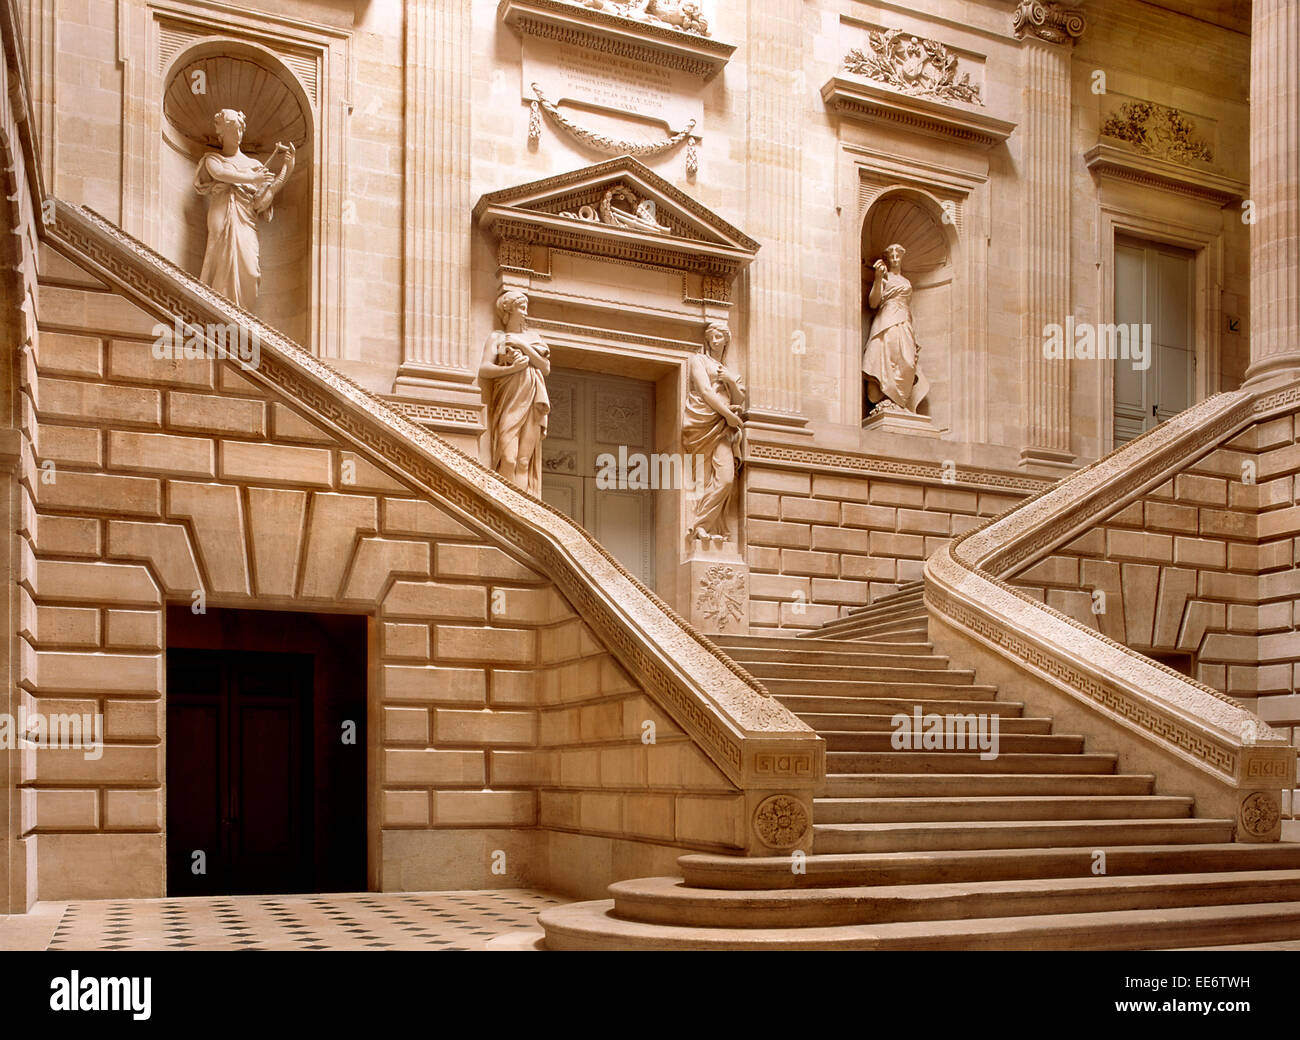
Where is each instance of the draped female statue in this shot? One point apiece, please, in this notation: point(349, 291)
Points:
point(716, 400)
point(240, 189)
point(891, 360)
point(512, 373)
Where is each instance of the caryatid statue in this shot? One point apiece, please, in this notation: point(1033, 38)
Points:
point(716, 401)
point(891, 360)
point(240, 189)
point(512, 374)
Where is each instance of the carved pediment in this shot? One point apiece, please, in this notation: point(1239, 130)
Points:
point(619, 209)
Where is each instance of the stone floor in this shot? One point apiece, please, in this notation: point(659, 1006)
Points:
point(360, 921)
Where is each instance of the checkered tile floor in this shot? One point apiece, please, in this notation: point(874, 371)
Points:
point(364, 921)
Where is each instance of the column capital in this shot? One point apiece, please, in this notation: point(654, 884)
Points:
point(1048, 21)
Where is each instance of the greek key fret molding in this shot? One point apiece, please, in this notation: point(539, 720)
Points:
point(1128, 684)
point(724, 709)
point(1048, 21)
point(865, 465)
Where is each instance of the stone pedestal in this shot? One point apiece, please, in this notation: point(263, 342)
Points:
point(717, 584)
point(895, 420)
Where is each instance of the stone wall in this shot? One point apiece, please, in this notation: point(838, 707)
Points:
point(152, 482)
point(1203, 565)
point(821, 544)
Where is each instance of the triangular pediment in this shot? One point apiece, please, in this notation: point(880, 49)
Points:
point(618, 208)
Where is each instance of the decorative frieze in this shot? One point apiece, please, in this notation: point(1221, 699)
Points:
point(670, 33)
point(1157, 130)
point(914, 65)
point(603, 142)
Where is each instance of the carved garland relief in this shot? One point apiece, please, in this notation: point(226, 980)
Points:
point(913, 65)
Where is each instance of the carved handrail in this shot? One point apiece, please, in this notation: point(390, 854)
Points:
point(752, 738)
point(966, 588)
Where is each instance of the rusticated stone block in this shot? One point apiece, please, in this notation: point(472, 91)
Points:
point(67, 399)
point(101, 493)
point(430, 683)
point(276, 463)
point(161, 453)
point(222, 416)
point(433, 767)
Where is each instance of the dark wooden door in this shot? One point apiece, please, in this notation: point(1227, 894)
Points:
point(239, 772)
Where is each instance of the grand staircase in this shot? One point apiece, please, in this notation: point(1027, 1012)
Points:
point(1046, 846)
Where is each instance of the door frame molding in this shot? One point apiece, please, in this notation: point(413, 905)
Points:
point(1206, 247)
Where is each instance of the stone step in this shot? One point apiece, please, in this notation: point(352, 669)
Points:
point(593, 926)
point(890, 705)
point(805, 640)
point(824, 721)
point(911, 605)
point(965, 762)
point(886, 690)
point(952, 785)
point(1007, 743)
point(711, 870)
point(831, 838)
point(847, 681)
point(669, 901)
point(898, 629)
point(810, 664)
point(1001, 807)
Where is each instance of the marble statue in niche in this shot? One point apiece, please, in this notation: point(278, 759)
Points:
point(891, 360)
point(240, 190)
point(512, 374)
point(716, 401)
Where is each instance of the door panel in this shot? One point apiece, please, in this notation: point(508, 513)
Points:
point(1154, 286)
point(238, 771)
point(594, 415)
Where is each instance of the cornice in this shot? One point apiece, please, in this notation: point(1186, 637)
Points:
point(852, 97)
point(604, 33)
point(1120, 163)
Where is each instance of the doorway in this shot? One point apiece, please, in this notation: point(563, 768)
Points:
point(1154, 286)
point(595, 415)
point(265, 752)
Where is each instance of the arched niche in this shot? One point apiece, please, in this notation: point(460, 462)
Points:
point(217, 73)
point(915, 220)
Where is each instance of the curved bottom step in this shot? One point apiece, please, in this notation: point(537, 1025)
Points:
point(668, 901)
point(593, 926)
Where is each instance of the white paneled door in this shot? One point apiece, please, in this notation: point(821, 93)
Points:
point(594, 415)
point(1154, 286)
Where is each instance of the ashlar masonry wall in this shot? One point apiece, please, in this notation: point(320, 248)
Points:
point(1206, 564)
point(497, 722)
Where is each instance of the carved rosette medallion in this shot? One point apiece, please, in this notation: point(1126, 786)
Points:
point(1048, 21)
point(780, 821)
point(1260, 814)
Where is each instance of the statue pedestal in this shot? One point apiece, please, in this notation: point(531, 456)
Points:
point(717, 583)
point(895, 420)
